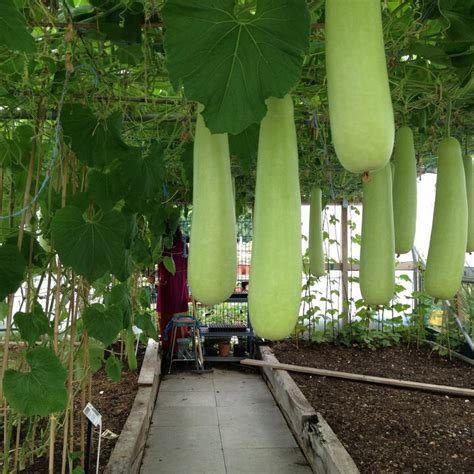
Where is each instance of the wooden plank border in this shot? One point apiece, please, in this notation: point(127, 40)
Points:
point(323, 450)
point(127, 455)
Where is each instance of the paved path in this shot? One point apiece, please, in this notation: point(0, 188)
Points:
point(221, 422)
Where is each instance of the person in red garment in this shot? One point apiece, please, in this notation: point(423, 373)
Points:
point(173, 295)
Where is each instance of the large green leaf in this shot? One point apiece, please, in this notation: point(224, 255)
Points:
point(120, 297)
point(244, 147)
point(95, 358)
point(124, 268)
point(103, 189)
point(144, 321)
point(169, 264)
point(13, 32)
point(40, 391)
point(230, 61)
point(93, 247)
point(142, 176)
point(95, 142)
point(113, 367)
point(32, 325)
point(12, 270)
point(29, 242)
point(103, 323)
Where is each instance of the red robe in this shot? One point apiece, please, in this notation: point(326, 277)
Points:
point(173, 295)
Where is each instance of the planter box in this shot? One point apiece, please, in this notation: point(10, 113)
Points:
point(127, 455)
point(323, 450)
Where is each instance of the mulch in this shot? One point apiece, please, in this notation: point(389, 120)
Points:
point(391, 430)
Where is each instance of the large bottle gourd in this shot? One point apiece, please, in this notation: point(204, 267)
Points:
point(212, 266)
point(315, 246)
point(360, 107)
point(276, 265)
point(404, 191)
point(445, 262)
point(469, 172)
point(377, 259)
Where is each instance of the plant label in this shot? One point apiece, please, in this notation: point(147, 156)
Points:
point(92, 414)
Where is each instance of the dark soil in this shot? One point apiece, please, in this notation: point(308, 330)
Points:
point(114, 401)
point(391, 430)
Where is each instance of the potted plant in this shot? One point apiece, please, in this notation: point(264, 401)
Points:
point(224, 347)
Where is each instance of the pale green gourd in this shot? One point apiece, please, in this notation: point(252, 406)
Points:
point(315, 246)
point(377, 259)
point(212, 266)
point(276, 265)
point(360, 107)
point(445, 262)
point(404, 191)
point(469, 172)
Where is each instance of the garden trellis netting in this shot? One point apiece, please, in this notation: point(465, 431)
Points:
point(98, 102)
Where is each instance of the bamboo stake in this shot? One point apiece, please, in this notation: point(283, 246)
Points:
point(26, 197)
point(57, 314)
point(1, 190)
point(17, 443)
point(71, 363)
point(70, 376)
point(445, 389)
point(84, 393)
point(52, 439)
point(32, 441)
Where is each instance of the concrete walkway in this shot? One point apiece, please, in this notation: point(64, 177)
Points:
point(221, 422)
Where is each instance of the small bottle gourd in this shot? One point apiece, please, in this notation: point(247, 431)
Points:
point(315, 246)
point(377, 250)
point(404, 191)
point(469, 172)
point(445, 261)
point(276, 264)
point(360, 106)
point(212, 265)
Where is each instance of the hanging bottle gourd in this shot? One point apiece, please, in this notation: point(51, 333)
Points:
point(377, 260)
point(276, 265)
point(316, 250)
point(360, 107)
point(445, 262)
point(469, 172)
point(404, 191)
point(212, 266)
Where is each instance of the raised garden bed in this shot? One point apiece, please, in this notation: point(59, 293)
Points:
point(390, 429)
point(114, 401)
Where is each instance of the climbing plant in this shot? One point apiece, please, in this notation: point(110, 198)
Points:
point(97, 107)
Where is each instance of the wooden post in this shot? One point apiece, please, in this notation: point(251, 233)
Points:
point(445, 389)
point(344, 264)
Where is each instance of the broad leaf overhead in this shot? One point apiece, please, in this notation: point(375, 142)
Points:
point(13, 32)
point(12, 270)
point(232, 61)
point(90, 247)
point(142, 176)
point(40, 391)
point(96, 142)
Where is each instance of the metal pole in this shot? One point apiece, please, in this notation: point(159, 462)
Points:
point(344, 264)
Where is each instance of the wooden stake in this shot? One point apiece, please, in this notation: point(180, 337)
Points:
point(445, 389)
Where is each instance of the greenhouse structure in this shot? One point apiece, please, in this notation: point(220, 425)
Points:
point(236, 236)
